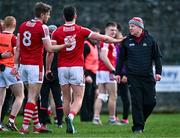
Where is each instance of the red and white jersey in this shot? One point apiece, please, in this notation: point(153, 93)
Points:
point(111, 55)
point(31, 45)
point(74, 34)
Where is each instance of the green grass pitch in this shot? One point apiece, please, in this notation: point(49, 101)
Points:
point(157, 126)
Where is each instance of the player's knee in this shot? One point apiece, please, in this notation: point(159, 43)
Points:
point(113, 97)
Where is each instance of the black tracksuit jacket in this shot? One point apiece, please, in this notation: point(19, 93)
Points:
point(139, 57)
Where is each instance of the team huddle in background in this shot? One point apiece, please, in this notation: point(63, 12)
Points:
point(77, 68)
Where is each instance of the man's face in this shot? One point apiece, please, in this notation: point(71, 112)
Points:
point(1, 26)
point(134, 30)
point(46, 17)
point(111, 31)
point(14, 24)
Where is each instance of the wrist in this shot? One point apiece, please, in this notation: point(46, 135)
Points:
point(16, 66)
point(47, 71)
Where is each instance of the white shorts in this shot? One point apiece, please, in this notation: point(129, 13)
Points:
point(31, 74)
point(71, 75)
point(104, 77)
point(7, 79)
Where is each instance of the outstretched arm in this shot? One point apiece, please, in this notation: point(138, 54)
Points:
point(105, 38)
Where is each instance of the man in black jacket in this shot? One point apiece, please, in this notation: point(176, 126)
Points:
point(51, 83)
point(141, 51)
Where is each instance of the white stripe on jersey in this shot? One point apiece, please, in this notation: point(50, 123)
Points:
point(105, 46)
point(90, 34)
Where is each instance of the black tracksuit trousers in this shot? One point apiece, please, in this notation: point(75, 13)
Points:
point(87, 108)
point(55, 89)
point(143, 99)
point(124, 94)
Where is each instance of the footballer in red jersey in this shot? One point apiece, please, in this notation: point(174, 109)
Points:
point(106, 78)
point(75, 35)
point(71, 62)
point(110, 47)
point(32, 38)
point(31, 34)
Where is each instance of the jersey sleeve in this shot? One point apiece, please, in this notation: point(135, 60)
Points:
point(86, 32)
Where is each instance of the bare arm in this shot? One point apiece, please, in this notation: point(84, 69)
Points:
point(105, 38)
point(49, 59)
point(17, 51)
point(104, 58)
point(14, 70)
point(49, 48)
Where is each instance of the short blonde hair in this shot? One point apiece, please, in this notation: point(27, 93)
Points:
point(9, 21)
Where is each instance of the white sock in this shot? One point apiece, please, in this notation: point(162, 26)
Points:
point(96, 117)
point(112, 118)
point(11, 120)
point(71, 116)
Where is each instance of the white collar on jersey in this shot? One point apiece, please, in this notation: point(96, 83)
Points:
point(69, 23)
point(8, 32)
point(36, 20)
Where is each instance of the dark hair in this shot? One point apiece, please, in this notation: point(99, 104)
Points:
point(69, 12)
point(114, 24)
point(119, 27)
point(42, 8)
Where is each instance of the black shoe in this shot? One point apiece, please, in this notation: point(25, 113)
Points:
point(70, 128)
point(11, 126)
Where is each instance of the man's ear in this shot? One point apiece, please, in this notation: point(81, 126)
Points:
point(75, 16)
point(64, 18)
point(42, 15)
